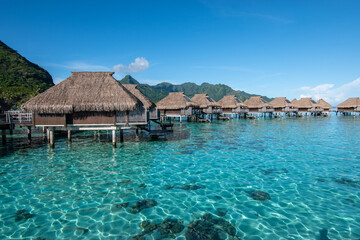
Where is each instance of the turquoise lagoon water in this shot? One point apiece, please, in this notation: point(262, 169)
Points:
point(310, 167)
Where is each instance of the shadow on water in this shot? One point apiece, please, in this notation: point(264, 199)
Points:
point(19, 141)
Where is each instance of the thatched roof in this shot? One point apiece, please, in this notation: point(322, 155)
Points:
point(280, 102)
point(323, 104)
point(175, 100)
point(256, 102)
point(84, 91)
point(305, 103)
point(293, 101)
point(230, 101)
point(136, 92)
point(350, 103)
point(204, 101)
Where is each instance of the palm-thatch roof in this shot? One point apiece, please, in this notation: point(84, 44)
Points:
point(136, 92)
point(84, 91)
point(175, 100)
point(350, 103)
point(323, 104)
point(204, 101)
point(256, 102)
point(305, 103)
point(294, 101)
point(230, 101)
point(280, 102)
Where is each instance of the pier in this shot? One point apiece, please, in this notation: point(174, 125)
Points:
point(9, 120)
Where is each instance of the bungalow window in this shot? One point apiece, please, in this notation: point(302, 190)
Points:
point(237, 100)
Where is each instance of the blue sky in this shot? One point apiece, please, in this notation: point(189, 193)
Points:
point(274, 48)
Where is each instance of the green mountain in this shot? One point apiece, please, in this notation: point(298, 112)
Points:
point(152, 93)
point(20, 79)
point(215, 91)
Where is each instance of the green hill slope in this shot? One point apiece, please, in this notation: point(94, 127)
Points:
point(20, 79)
point(215, 91)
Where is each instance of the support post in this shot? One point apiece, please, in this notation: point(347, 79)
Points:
point(3, 132)
point(69, 135)
point(29, 133)
point(114, 138)
point(51, 131)
point(48, 134)
point(121, 135)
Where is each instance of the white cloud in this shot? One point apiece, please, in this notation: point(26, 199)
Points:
point(80, 66)
point(330, 93)
point(140, 64)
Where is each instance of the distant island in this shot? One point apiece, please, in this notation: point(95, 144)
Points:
point(161, 90)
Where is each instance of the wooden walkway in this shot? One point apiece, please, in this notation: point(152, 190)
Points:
point(9, 120)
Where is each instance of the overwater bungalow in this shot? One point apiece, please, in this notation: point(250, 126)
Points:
point(176, 105)
point(282, 105)
point(207, 106)
point(150, 107)
point(232, 106)
point(258, 105)
point(87, 101)
point(324, 105)
point(349, 106)
point(308, 105)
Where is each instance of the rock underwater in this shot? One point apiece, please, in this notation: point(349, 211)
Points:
point(141, 205)
point(259, 195)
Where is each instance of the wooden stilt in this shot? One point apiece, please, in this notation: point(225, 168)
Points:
point(29, 133)
point(69, 135)
point(48, 135)
point(52, 143)
point(3, 133)
point(11, 130)
point(121, 135)
point(114, 138)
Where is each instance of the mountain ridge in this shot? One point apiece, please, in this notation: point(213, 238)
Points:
point(216, 91)
point(20, 79)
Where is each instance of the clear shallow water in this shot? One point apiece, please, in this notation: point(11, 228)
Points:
point(310, 167)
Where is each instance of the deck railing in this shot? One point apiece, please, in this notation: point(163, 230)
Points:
point(217, 110)
point(18, 117)
point(266, 110)
point(315, 109)
point(186, 112)
point(243, 110)
point(290, 109)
